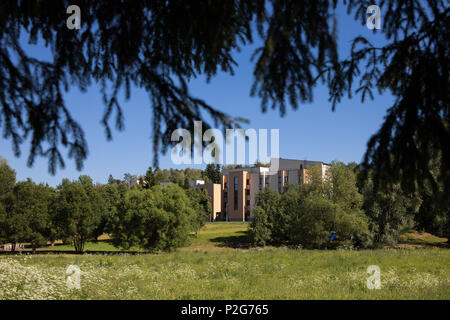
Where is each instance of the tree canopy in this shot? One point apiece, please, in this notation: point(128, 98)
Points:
point(159, 218)
point(160, 45)
point(306, 214)
point(78, 211)
point(7, 177)
point(213, 173)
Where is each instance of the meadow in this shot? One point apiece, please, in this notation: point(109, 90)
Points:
point(220, 265)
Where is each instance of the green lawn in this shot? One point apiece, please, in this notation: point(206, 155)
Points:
point(221, 235)
point(218, 265)
point(213, 236)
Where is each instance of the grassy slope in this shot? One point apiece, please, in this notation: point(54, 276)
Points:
point(421, 238)
point(212, 269)
point(212, 237)
point(221, 235)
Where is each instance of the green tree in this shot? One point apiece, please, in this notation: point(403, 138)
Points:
point(260, 230)
point(111, 196)
point(7, 182)
point(74, 213)
point(148, 180)
point(98, 203)
point(389, 212)
point(265, 213)
point(11, 224)
point(26, 218)
point(261, 164)
point(213, 173)
point(434, 213)
point(110, 179)
point(193, 174)
point(315, 217)
point(7, 178)
point(32, 201)
point(161, 176)
point(232, 166)
point(201, 204)
point(344, 190)
point(160, 218)
point(3, 225)
point(130, 179)
point(306, 214)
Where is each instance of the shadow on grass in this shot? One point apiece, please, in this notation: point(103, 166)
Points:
point(98, 252)
point(240, 241)
point(49, 249)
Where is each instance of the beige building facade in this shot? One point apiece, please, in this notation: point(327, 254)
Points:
point(234, 198)
point(240, 186)
point(214, 191)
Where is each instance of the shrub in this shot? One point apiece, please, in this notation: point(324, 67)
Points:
point(159, 218)
point(305, 215)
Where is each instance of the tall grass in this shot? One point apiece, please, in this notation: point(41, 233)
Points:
point(272, 273)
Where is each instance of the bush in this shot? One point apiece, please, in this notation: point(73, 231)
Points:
point(305, 215)
point(159, 218)
point(390, 212)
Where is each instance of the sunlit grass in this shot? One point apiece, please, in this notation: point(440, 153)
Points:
point(421, 238)
point(212, 269)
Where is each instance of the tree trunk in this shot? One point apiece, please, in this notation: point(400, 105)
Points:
point(78, 245)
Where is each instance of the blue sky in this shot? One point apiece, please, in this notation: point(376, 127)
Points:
point(312, 132)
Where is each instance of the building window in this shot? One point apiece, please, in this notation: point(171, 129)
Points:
point(225, 194)
point(235, 193)
point(279, 179)
point(248, 202)
point(248, 181)
point(247, 192)
point(286, 179)
point(260, 180)
point(225, 185)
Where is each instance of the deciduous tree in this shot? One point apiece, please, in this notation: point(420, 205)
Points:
point(75, 214)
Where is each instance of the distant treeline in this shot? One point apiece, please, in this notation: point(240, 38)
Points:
point(143, 215)
point(342, 210)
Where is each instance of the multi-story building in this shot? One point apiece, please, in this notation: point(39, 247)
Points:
point(234, 198)
point(214, 191)
point(240, 186)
